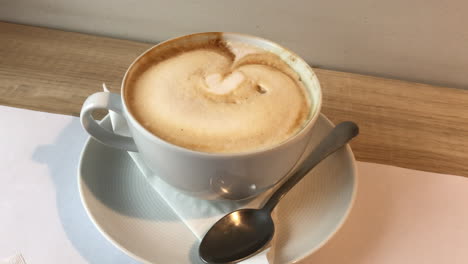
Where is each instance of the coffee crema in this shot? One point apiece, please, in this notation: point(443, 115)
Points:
point(219, 97)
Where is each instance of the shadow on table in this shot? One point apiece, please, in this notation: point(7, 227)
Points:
point(62, 159)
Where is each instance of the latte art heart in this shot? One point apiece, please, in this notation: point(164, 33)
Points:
point(207, 100)
point(218, 84)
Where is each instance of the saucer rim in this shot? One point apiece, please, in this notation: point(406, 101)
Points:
point(299, 258)
point(340, 224)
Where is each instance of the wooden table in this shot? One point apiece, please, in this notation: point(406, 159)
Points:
point(405, 124)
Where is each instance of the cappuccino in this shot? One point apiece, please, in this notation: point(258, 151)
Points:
point(218, 97)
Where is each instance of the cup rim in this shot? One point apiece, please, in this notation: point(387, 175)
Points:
point(297, 136)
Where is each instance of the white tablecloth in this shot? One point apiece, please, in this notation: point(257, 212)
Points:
point(400, 215)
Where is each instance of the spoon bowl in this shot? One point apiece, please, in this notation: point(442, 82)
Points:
point(254, 227)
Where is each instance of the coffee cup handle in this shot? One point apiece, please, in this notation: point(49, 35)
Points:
point(111, 102)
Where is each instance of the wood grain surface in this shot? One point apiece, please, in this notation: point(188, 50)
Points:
point(402, 123)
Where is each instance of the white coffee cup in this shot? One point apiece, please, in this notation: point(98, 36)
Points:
point(209, 175)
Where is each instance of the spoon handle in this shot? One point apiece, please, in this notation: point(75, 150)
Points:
point(337, 138)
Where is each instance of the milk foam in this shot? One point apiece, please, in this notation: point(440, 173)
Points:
point(206, 100)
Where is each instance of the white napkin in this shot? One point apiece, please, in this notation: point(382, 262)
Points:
point(17, 259)
point(198, 215)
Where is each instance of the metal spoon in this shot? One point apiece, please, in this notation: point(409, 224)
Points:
point(243, 233)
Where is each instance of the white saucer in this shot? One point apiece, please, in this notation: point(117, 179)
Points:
point(132, 216)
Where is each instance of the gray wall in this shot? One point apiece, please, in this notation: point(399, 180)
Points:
point(417, 40)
